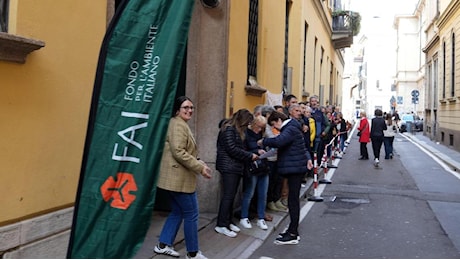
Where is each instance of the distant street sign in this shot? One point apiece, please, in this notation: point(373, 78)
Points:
point(415, 93)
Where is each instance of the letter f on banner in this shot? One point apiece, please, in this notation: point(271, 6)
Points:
point(134, 90)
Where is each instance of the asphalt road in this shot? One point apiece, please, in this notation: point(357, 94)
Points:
point(409, 207)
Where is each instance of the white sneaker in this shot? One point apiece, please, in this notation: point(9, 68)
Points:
point(271, 206)
point(225, 231)
point(234, 228)
point(245, 223)
point(199, 255)
point(168, 250)
point(261, 223)
point(281, 206)
point(376, 162)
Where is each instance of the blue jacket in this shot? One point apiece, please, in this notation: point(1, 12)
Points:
point(322, 123)
point(292, 153)
point(251, 141)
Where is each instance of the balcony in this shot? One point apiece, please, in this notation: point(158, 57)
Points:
point(345, 25)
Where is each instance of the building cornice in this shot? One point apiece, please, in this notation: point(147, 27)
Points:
point(321, 13)
point(429, 45)
point(448, 14)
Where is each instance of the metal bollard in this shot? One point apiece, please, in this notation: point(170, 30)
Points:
point(315, 196)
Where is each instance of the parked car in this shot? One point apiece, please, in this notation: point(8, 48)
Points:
point(414, 120)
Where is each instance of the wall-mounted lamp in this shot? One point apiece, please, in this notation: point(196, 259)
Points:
point(210, 3)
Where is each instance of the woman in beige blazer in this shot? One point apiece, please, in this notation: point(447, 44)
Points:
point(179, 170)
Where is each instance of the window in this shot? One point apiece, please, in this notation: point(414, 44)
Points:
point(252, 38)
point(443, 70)
point(4, 15)
point(331, 84)
point(435, 83)
point(286, 87)
point(314, 64)
point(452, 69)
point(305, 31)
point(14, 48)
point(429, 76)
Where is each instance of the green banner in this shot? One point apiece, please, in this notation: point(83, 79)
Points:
point(136, 79)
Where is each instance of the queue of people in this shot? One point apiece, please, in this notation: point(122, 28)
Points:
point(295, 134)
point(269, 151)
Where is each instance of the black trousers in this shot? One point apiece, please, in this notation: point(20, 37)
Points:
point(294, 183)
point(275, 183)
point(230, 183)
point(363, 150)
point(377, 145)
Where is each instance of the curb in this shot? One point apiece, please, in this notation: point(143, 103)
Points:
point(452, 164)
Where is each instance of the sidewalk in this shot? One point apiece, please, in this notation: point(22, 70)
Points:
point(442, 152)
point(217, 246)
point(212, 244)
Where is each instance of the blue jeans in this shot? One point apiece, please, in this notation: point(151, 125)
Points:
point(388, 143)
point(249, 187)
point(343, 138)
point(230, 183)
point(184, 206)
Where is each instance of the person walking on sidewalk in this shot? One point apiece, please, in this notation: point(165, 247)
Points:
point(179, 170)
point(377, 127)
point(230, 161)
point(293, 162)
point(363, 136)
point(389, 136)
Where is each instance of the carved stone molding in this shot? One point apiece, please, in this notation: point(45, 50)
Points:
point(255, 90)
point(16, 48)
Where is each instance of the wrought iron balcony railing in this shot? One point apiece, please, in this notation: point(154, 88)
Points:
point(345, 25)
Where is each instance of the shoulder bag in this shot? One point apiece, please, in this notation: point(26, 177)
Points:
point(258, 167)
point(359, 133)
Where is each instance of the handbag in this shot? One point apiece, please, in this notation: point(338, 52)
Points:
point(359, 132)
point(258, 167)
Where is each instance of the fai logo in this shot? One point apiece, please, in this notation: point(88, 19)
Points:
point(119, 191)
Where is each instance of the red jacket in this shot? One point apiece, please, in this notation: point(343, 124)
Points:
point(364, 127)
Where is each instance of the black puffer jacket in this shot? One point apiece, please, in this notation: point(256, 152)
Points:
point(292, 153)
point(231, 153)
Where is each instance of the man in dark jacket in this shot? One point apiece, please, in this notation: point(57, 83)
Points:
point(322, 127)
point(293, 162)
point(289, 100)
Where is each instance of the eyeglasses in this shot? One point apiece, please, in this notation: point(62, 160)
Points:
point(188, 108)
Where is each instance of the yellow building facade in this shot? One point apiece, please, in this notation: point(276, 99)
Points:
point(315, 67)
point(45, 103)
point(441, 23)
point(449, 87)
point(48, 58)
point(47, 88)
